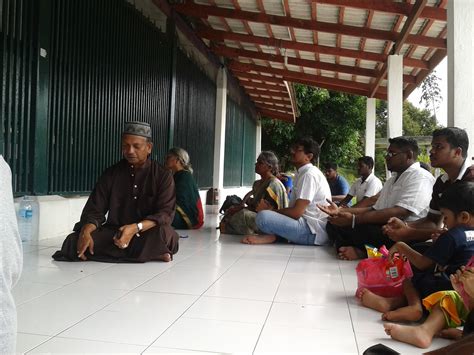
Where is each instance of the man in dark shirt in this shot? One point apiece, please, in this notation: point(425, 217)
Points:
point(139, 196)
point(337, 183)
point(449, 152)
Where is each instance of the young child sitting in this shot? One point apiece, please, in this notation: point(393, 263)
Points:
point(447, 312)
point(448, 253)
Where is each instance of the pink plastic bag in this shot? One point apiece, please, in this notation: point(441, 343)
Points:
point(382, 276)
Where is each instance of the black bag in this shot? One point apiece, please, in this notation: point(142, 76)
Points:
point(230, 201)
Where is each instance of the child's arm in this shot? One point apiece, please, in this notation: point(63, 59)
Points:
point(420, 261)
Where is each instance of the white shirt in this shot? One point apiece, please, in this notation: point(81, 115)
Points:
point(11, 260)
point(412, 191)
point(368, 188)
point(310, 184)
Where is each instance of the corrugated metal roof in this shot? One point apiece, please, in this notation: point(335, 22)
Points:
point(335, 44)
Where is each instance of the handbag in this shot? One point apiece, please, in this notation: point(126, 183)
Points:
point(383, 276)
point(230, 201)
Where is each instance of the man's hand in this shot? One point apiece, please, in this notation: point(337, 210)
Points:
point(85, 241)
point(342, 219)
point(125, 235)
point(396, 229)
point(263, 205)
point(332, 210)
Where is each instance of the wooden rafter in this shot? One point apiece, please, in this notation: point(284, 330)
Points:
point(217, 35)
point(277, 115)
point(203, 11)
point(389, 6)
point(263, 78)
point(348, 69)
point(407, 27)
point(307, 79)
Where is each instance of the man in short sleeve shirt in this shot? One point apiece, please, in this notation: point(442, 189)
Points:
point(367, 185)
point(405, 195)
point(302, 222)
point(449, 152)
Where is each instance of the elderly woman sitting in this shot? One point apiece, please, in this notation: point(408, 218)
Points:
point(268, 193)
point(189, 213)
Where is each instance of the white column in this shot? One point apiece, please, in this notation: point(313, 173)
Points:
point(370, 128)
point(219, 134)
point(460, 70)
point(395, 96)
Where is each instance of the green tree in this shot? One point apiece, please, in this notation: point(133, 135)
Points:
point(416, 122)
point(431, 93)
point(336, 119)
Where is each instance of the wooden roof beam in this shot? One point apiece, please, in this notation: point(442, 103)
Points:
point(284, 100)
point(251, 84)
point(204, 11)
point(404, 33)
point(277, 115)
point(259, 92)
point(338, 68)
point(303, 78)
point(263, 78)
point(399, 8)
point(221, 36)
point(287, 109)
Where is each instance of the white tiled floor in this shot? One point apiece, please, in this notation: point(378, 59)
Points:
point(217, 296)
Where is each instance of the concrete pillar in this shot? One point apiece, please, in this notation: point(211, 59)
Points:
point(370, 128)
point(460, 70)
point(219, 135)
point(258, 141)
point(395, 96)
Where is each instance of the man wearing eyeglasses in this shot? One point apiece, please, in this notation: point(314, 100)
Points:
point(449, 152)
point(406, 195)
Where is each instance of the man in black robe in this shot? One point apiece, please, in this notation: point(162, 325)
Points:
point(139, 196)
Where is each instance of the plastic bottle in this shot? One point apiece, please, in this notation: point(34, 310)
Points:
point(27, 219)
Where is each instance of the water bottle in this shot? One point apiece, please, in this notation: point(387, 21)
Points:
point(26, 219)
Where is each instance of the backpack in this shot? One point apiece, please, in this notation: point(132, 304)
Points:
point(232, 200)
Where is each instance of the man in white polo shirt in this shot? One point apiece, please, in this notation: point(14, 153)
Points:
point(405, 195)
point(302, 222)
point(367, 185)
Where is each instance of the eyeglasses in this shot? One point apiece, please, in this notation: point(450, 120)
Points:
point(392, 154)
point(293, 150)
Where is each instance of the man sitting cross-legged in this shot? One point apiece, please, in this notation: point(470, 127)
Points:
point(405, 195)
point(302, 222)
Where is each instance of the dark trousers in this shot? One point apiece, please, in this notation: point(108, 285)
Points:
point(149, 246)
point(358, 237)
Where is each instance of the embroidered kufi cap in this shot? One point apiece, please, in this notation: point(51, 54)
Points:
point(142, 129)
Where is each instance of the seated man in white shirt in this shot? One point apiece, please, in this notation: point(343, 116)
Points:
point(367, 185)
point(302, 222)
point(405, 195)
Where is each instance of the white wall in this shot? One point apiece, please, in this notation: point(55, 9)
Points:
point(57, 214)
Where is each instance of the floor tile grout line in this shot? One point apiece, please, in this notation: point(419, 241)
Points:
point(197, 299)
point(273, 301)
point(108, 304)
point(348, 307)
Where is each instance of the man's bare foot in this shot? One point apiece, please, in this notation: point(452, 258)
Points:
point(408, 334)
point(259, 239)
point(404, 314)
point(373, 301)
point(350, 253)
point(166, 257)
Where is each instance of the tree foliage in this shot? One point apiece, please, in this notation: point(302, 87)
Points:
point(416, 122)
point(431, 93)
point(334, 119)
